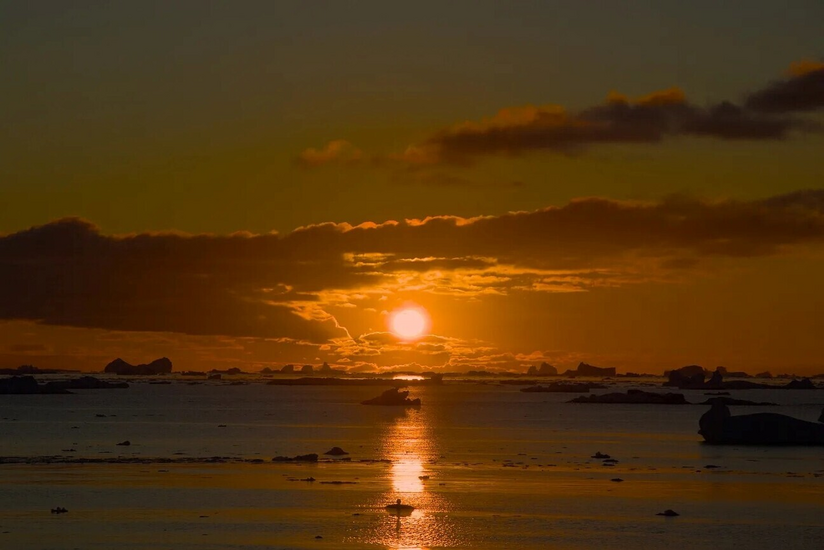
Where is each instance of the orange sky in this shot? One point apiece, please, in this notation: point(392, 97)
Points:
point(639, 285)
point(262, 185)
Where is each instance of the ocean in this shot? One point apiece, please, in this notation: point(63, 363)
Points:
point(484, 465)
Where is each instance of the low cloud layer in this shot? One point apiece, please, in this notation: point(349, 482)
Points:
point(271, 286)
point(801, 91)
point(771, 113)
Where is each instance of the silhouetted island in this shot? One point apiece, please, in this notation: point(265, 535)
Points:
point(686, 377)
point(233, 371)
point(730, 401)
point(692, 377)
point(28, 385)
point(393, 397)
point(312, 457)
point(336, 451)
point(31, 369)
point(719, 427)
point(121, 367)
point(585, 369)
point(564, 387)
point(544, 370)
point(634, 397)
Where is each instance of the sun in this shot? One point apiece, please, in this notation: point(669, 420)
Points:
point(409, 322)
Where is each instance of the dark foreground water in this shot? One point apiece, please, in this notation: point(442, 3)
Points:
point(505, 470)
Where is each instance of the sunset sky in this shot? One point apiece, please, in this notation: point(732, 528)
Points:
point(253, 184)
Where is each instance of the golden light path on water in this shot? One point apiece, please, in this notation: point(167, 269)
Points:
point(409, 443)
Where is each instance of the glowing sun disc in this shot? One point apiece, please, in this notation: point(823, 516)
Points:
point(409, 323)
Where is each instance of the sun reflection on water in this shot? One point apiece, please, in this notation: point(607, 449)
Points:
point(409, 442)
point(406, 475)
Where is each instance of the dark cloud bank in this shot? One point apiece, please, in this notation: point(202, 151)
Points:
point(773, 112)
point(68, 273)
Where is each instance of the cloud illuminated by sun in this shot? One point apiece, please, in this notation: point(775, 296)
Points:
point(409, 322)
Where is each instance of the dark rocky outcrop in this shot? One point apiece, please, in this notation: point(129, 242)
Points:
point(307, 369)
point(732, 374)
point(716, 382)
point(729, 401)
point(27, 385)
point(585, 369)
point(288, 369)
point(121, 367)
point(90, 383)
point(30, 369)
point(668, 513)
point(313, 457)
point(19, 385)
point(685, 377)
point(634, 397)
point(765, 374)
point(231, 372)
point(804, 384)
point(336, 451)
point(719, 427)
point(561, 387)
point(747, 385)
point(393, 397)
point(544, 370)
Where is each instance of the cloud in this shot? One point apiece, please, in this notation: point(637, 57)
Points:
point(802, 90)
point(769, 113)
point(284, 286)
point(649, 119)
point(337, 151)
point(67, 273)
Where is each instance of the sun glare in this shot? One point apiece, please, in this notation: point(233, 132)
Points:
point(409, 323)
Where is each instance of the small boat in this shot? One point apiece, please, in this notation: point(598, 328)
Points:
point(400, 509)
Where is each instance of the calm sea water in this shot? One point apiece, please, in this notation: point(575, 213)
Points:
point(505, 469)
